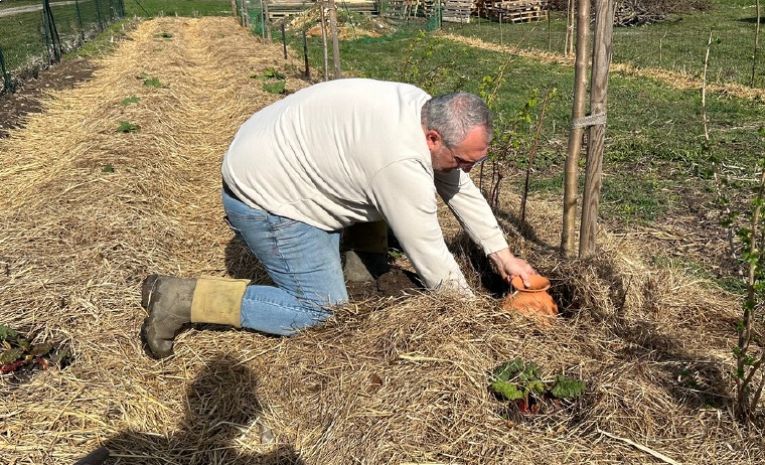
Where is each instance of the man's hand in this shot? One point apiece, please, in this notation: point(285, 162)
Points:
point(507, 265)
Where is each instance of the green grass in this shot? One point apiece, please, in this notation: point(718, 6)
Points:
point(678, 44)
point(178, 7)
point(22, 44)
point(103, 42)
point(132, 100)
point(154, 82)
point(21, 40)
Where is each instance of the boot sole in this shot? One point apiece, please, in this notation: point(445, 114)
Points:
point(147, 347)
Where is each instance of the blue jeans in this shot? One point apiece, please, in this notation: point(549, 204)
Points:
point(303, 262)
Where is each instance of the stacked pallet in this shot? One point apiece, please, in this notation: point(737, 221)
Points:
point(282, 8)
point(457, 11)
point(400, 9)
point(515, 11)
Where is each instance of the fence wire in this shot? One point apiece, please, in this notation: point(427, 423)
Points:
point(38, 33)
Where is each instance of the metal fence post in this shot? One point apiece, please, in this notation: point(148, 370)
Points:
point(7, 81)
point(45, 34)
point(55, 40)
point(79, 20)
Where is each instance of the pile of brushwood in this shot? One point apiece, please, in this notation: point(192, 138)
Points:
point(639, 12)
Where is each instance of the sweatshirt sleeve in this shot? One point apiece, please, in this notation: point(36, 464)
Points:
point(471, 209)
point(404, 194)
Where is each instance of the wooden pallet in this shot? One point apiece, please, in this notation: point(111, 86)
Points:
point(399, 9)
point(516, 11)
point(457, 11)
point(278, 9)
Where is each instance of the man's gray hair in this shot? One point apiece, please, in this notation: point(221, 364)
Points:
point(454, 115)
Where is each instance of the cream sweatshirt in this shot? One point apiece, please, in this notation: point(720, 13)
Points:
point(353, 150)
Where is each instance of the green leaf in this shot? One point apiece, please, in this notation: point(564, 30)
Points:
point(11, 355)
point(508, 370)
point(7, 333)
point(567, 388)
point(38, 350)
point(507, 390)
point(126, 127)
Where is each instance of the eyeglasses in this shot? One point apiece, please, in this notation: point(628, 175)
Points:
point(462, 162)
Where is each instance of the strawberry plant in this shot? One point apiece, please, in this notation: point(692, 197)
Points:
point(521, 384)
point(17, 352)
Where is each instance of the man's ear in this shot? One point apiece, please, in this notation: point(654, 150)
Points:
point(434, 139)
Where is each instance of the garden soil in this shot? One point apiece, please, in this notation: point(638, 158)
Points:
point(88, 211)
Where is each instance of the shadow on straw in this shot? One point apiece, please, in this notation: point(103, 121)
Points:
point(220, 406)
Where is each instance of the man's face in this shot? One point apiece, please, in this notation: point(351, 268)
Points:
point(465, 155)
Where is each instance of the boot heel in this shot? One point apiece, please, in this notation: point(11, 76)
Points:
point(147, 288)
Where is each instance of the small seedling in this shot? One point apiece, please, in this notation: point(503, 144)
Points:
point(164, 35)
point(275, 87)
point(17, 351)
point(107, 168)
point(273, 73)
point(521, 383)
point(132, 100)
point(126, 127)
point(152, 82)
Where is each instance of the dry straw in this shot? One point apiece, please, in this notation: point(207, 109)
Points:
point(392, 380)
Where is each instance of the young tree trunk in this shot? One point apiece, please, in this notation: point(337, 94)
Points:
point(601, 60)
point(335, 42)
point(324, 40)
point(569, 46)
point(576, 132)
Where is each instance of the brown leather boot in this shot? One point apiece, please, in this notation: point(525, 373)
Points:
point(168, 300)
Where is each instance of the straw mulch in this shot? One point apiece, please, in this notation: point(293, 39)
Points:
point(397, 380)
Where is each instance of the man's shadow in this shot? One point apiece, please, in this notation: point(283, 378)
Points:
point(220, 405)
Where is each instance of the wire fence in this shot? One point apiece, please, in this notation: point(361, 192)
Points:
point(677, 44)
point(37, 33)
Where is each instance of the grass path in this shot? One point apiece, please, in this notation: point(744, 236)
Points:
point(674, 79)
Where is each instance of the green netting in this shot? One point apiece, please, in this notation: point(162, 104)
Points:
point(33, 39)
point(257, 18)
point(434, 17)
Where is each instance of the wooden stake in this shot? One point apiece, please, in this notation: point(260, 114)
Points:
point(601, 61)
point(266, 20)
point(307, 72)
point(335, 42)
point(575, 133)
point(756, 44)
point(284, 41)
